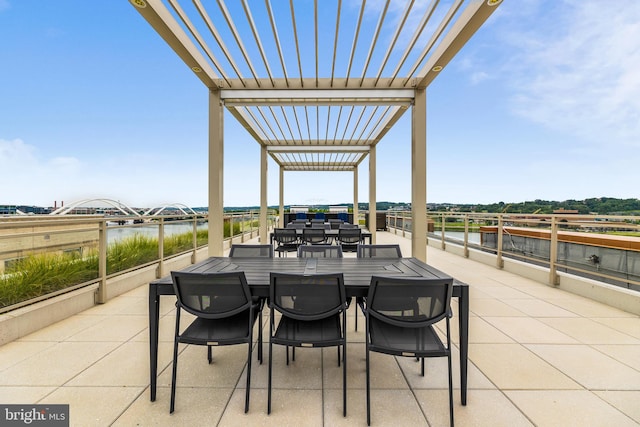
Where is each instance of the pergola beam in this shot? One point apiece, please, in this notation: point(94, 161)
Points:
point(471, 19)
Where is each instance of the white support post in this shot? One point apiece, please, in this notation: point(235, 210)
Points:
point(356, 214)
point(419, 176)
point(264, 235)
point(281, 186)
point(216, 174)
point(372, 194)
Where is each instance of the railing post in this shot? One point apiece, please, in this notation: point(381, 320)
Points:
point(160, 269)
point(553, 253)
point(404, 225)
point(195, 239)
point(250, 224)
point(242, 221)
point(442, 244)
point(466, 235)
point(101, 295)
point(499, 260)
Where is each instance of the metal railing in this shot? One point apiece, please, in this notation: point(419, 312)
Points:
point(601, 247)
point(43, 256)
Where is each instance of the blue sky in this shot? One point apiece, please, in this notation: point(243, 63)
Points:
point(543, 103)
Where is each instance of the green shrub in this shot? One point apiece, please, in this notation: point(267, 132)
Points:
point(131, 252)
point(41, 274)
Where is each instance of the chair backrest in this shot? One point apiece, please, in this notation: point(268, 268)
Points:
point(349, 236)
point(347, 225)
point(301, 215)
point(379, 251)
point(285, 235)
point(314, 235)
point(212, 295)
point(335, 223)
point(320, 215)
point(409, 301)
point(317, 223)
point(296, 224)
point(251, 251)
point(319, 251)
point(307, 297)
point(343, 216)
point(300, 220)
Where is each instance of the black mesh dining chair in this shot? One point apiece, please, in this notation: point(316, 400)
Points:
point(376, 251)
point(224, 315)
point(349, 238)
point(251, 251)
point(319, 251)
point(286, 240)
point(400, 316)
point(379, 251)
point(313, 314)
point(314, 236)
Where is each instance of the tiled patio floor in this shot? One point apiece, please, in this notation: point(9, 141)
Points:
point(538, 356)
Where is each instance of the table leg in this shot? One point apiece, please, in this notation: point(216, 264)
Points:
point(463, 319)
point(154, 318)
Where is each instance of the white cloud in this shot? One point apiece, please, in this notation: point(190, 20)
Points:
point(27, 177)
point(577, 70)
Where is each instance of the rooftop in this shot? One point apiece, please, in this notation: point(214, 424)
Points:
point(538, 356)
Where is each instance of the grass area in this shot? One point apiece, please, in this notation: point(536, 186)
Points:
point(41, 274)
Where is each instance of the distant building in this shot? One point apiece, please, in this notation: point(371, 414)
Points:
point(23, 210)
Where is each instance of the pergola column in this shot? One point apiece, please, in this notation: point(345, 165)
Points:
point(263, 195)
point(372, 193)
point(281, 216)
point(419, 176)
point(355, 195)
point(216, 174)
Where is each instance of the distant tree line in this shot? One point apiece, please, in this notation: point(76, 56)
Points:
point(597, 205)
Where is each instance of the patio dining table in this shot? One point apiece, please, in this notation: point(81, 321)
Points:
point(357, 277)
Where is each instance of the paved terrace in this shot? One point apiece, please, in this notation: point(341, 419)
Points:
point(538, 356)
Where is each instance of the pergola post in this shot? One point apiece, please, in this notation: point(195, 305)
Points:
point(263, 195)
point(216, 174)
point(419, 176)
point(372, 193)
point(355, 196)
point(281, 187)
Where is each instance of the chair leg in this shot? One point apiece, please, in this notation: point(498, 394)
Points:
point(270, 368)
point(344, 380)
point(209, 354)
point(246, 399)
point(173, 376)
point(260, 338)
point(450, 391)
point(422, 367)
point(368, 391)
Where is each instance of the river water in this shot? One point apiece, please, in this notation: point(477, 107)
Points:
point(115, 234)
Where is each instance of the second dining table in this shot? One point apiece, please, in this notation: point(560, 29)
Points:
point(357, 277)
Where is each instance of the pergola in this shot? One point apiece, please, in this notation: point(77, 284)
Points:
point(317, 83)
